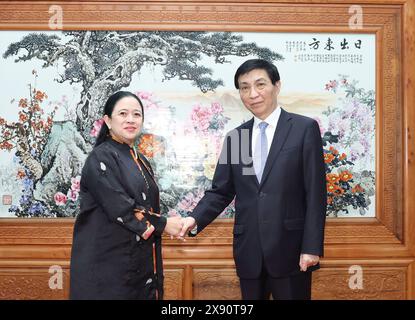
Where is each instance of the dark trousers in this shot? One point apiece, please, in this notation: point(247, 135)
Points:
point(295, 287)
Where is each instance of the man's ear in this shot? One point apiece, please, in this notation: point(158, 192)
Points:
point(277, 86)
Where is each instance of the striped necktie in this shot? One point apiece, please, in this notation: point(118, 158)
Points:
point(261, 151)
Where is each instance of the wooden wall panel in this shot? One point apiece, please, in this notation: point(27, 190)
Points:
point(173, 284)
point(32, 283)
point(379, 283)
point(215, 283)
point(380, 280)
point(387, 279)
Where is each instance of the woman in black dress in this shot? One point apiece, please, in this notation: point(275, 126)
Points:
point(116, 250)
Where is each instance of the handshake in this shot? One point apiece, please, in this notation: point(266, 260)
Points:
point(178, 227)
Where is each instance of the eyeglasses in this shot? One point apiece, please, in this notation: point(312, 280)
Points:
point(124, 114)
point(259, 86)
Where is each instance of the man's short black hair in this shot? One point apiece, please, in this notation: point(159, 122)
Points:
point(252, 64)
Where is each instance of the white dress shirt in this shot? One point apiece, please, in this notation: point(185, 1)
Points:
point(272, 121)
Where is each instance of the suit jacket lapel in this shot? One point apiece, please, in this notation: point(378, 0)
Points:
point(280, 135)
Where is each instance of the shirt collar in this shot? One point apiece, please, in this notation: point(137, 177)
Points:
point(118, 143)
point(272, 119)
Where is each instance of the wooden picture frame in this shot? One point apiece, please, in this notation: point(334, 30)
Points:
point(384, 245)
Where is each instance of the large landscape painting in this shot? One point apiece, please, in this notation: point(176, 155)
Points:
point(54, 86)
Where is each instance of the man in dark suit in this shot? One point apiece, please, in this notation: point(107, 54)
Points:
point(274, 166)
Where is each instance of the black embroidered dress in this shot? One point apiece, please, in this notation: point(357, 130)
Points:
point(116, 250)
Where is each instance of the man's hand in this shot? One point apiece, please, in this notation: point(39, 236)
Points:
point(308, 260)
point(188, 224)
point(174, 226)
